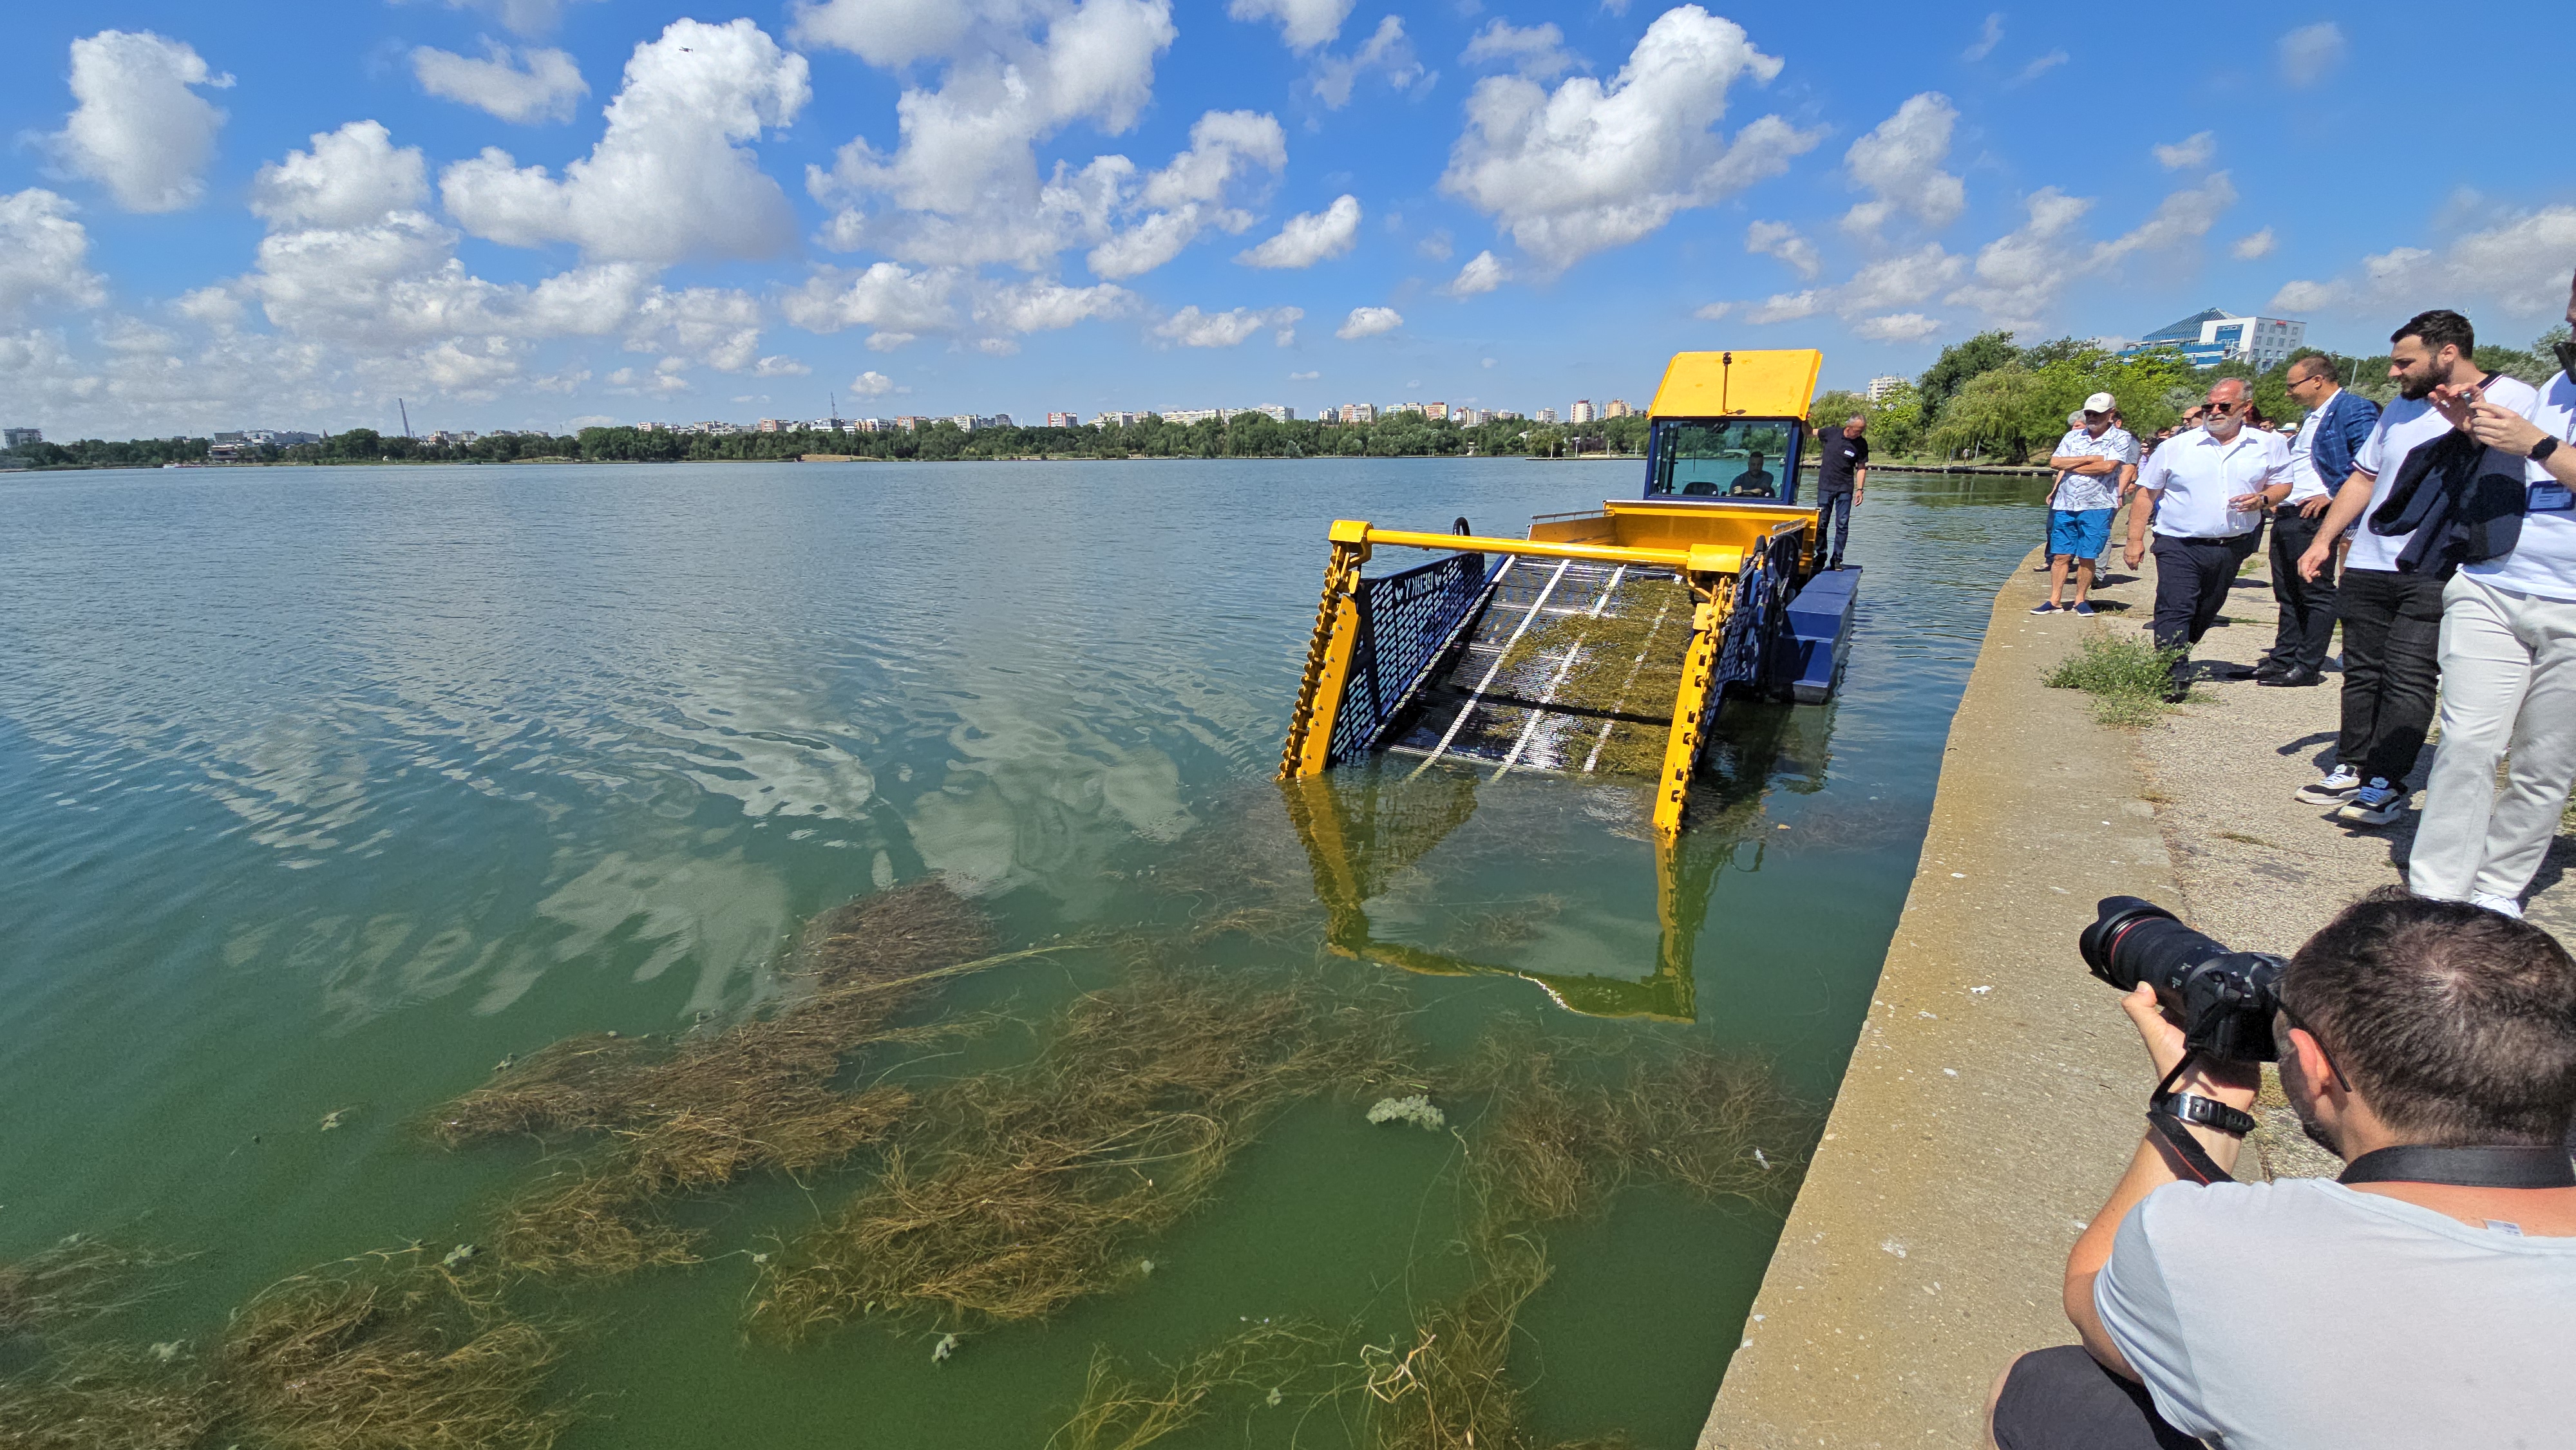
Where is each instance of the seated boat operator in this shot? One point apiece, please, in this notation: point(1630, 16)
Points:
point(1754, 482)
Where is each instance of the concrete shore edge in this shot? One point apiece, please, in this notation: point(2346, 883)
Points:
point(1991, 1098)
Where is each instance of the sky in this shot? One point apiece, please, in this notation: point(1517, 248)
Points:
point(556, 213)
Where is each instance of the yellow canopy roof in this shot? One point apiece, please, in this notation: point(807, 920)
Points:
point(1775, 383)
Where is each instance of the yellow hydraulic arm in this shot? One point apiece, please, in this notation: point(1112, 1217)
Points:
point(1709, 569)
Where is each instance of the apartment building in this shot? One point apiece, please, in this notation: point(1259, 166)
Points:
point(1581, 412)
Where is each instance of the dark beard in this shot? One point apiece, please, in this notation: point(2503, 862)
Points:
point(2316, 1133)
point(2415, 391)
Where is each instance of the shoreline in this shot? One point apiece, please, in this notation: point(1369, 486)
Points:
point(1976, 1131)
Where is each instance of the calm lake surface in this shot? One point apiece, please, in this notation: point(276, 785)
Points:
point(324, 790)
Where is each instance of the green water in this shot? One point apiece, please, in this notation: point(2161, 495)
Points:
point(324, 790)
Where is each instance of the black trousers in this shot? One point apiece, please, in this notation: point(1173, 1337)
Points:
point(2063, 1399)
point(2392, 659)
point(1833, 512)
point(2192, 580)
point(2307, 607)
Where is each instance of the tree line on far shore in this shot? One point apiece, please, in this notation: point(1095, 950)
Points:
point(1987, 399)
point(1245, 435)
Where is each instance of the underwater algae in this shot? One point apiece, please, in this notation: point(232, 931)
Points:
point(1565, 1125)
point(1024, 1189)
point(707, 1110)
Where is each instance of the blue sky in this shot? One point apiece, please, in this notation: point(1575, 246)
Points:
point(534, 213)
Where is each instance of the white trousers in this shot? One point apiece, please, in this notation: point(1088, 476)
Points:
point(2508, 688)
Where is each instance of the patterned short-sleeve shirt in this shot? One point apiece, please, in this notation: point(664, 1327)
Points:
point(2077, 491)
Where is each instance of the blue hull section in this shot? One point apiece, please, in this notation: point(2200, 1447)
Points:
point(1807, 658)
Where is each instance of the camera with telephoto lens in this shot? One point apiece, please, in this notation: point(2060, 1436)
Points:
point(2223, 999)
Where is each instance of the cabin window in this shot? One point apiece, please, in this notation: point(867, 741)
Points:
point(1724, 458)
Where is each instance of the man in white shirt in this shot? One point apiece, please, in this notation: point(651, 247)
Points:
point(2425, 1298)
point(2392, 619)
point(2092, 461)
point(2509, 672)
point(2298, 653)
point(2208, 489)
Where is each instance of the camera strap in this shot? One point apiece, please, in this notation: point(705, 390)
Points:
point(2517, 1167)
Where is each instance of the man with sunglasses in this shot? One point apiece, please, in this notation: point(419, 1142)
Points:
point(2425, 1298)
point(2392, 618)
point(2337, 425)
point(2209, 490)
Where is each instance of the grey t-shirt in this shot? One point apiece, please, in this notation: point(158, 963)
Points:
point(2299, 1315)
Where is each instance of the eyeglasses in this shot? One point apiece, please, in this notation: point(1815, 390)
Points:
point(2223, 409)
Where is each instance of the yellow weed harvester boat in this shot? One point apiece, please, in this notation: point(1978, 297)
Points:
point(1561, 653)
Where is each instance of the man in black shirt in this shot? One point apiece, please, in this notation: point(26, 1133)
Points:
point(1840, 477)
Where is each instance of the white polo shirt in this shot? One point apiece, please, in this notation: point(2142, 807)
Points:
point(2304, 482)
point(2543, 561)
point(2193, 475)
point(2405, 425)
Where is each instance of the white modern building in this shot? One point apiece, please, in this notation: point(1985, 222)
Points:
point(1581, 412)
point(1882, 385)
point(1545, 415)
point(20, 437)
point(2214, 335)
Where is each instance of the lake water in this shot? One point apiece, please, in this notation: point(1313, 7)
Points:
point(324, 790)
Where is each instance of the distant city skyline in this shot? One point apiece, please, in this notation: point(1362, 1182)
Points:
point(522, 214)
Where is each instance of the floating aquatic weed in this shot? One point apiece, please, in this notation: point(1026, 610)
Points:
point(79, 1279)
point(1120, 1411)
point(393, 1354)
point(1027, 1187)
point(393, 1357)
point(1448, 1386)
point(1416, 1109)
point(709, 1109)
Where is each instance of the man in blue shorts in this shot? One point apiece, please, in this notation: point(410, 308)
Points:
point(2089, 461)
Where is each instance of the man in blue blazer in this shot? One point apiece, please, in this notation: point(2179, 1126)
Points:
point(2338, 423)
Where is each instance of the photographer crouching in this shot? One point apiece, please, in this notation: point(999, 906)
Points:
point(2428, 1296)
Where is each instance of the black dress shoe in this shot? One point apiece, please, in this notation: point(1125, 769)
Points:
point(2177, 691)
point(2294, 679)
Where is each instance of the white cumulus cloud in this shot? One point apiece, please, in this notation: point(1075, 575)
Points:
point(2253, 246)
point(1227, 148)
point(1537, 51)
point(1303, 24)
point(1368, 322)
point(140, 130)
point(1781, 240)
point(2192, 150)
point(1594, 165)
point(871, 384)
point(1039, 305)
point(1483, 273)
point(1714, 312)
point(44, 255)
point(2311, 52)
point(1900, 162)
point(1191, 327)
point(1385, 53)
point(672, 177)
point(2520, 265)
point(351, 177)
point(1309, 237)
point(536, 84)
point(1896, 327)
point(962, 186)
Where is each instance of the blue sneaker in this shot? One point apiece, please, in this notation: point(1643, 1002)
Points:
point(2045, 608)
point(2082, 608)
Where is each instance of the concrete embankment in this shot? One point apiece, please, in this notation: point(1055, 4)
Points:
point(1991, 1099)
point(1996, 1090)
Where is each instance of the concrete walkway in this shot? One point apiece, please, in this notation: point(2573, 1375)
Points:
point(1996, 1091)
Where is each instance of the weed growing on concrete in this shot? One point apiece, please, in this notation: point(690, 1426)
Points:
point(2125, 676)
point(1028, 1188)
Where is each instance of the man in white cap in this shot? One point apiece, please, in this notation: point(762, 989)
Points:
point(2090, 462)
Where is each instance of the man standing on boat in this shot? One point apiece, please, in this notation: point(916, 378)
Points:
point(1840, 476)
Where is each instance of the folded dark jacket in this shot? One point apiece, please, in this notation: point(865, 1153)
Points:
point(2461, 500)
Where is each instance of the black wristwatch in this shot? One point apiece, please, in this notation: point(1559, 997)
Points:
point(2207, 1112)
point(2541, 450)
